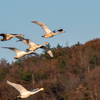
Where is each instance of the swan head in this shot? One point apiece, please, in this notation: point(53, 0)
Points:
point(63, 31)
point(47, 42)
point(19, 97)
point(43, 36)
point(42, 88)
point(15, 58)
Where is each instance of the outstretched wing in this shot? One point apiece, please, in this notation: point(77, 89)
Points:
point(13, 49)
point(37, 55)
point(26, 41)
point(58, 30)
point(30, 42)
point(4, 35)
point(18, 87)
point(22, 39)
point(43, 25)
point(47, 50)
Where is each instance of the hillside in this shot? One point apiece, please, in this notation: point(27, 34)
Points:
point(72, 74)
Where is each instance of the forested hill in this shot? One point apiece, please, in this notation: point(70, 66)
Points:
point(72, 74)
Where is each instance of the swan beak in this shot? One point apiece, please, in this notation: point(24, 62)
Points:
point(42, 88)
point(63, 31)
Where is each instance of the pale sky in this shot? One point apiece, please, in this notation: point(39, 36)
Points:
point(79, 18)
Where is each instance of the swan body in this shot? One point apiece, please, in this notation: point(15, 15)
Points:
point(19, 53)
point(34, 46)
point(9, 36)
point(23, 92)
point(48, 32)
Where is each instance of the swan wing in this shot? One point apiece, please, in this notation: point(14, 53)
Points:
point(13, 34)
point(25, 41)
point(13, 49)
point(58, 30)
point(20, 38)
point(43, 25)
point(47, 50)
point(30, 42)
point(37, 55)
point(18, 87)
point(4, 35)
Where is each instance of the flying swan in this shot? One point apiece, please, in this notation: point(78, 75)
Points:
point(48, 32)
point(9, 36)
point(34, 46)
point(21, 53)
point(23, 92)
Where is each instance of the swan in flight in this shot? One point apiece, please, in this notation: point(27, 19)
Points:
point(48, 32)
point(9, 36)
point(21, 53)
point(23, 92)
point(34, 46)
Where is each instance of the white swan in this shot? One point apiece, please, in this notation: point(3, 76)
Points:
point(21, 53)
point(34, 46)
point(23, 92)
point(9, 36)
point(48, 32)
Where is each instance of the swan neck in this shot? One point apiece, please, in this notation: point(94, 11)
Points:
point(35, 91)
point(29, 52)
point(57, 33)
point(43, 44)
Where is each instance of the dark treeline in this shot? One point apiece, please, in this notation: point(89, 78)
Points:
point(72, 74)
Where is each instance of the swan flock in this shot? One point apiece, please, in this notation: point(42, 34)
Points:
point(31, 50)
